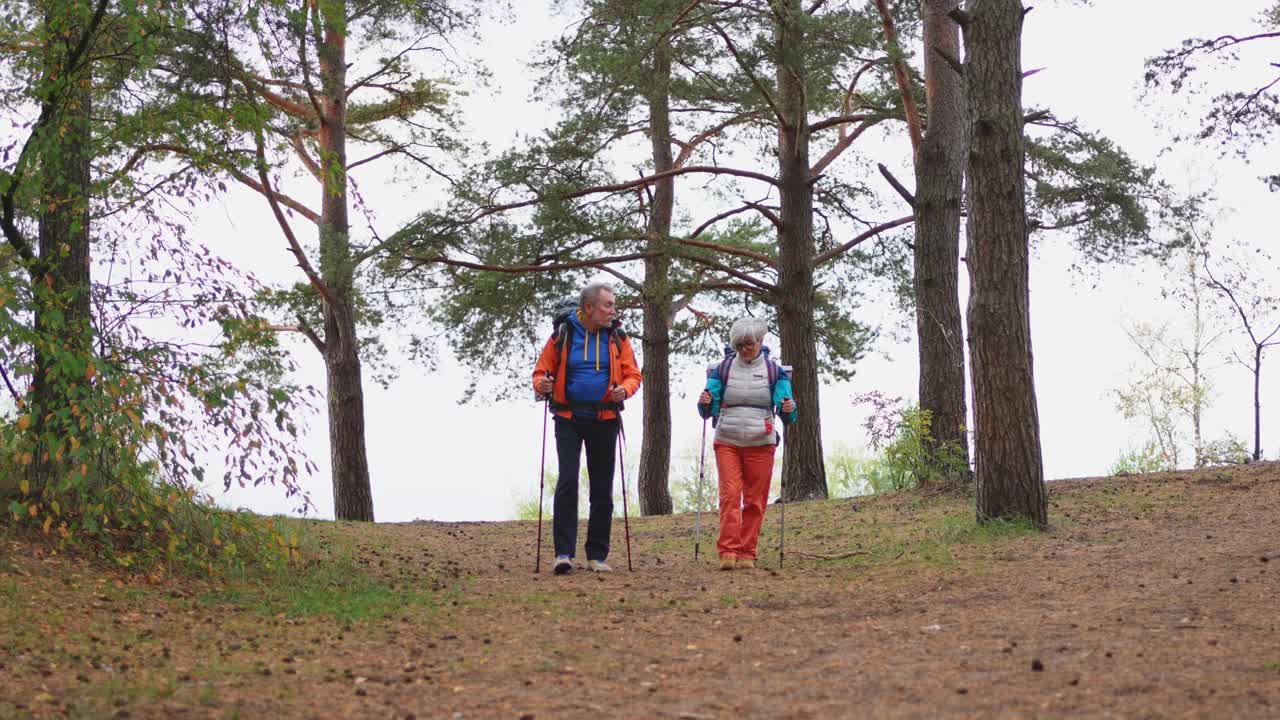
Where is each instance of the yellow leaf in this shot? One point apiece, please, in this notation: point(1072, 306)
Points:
point(84, 470)
point(24, 422)
point(90, 371)
point(25, 486)
point(48, 520)
point(33, 510)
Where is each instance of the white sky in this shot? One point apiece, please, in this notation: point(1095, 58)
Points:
point(431, 458)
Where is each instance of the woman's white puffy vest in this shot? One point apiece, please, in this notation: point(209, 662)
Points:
point(746, 404)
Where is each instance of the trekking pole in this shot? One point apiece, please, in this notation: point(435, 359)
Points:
point(782, 521)
point(622, 469)
point(697, 522)
point(542, 477)
point(782, 515)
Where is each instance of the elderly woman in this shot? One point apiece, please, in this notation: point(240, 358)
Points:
point(744, 392)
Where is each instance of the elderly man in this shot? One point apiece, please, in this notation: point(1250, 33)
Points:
point(589, 369)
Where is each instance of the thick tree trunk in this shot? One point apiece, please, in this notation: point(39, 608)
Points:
point(655, 447)
point(60, 277)
point(352, 496)
point(803, 473)
point(939, 187)
point(1009, 468)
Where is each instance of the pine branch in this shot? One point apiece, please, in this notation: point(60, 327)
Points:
point(764, 92)
point(869, 233)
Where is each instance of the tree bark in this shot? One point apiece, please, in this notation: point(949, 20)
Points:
point(939, 170)
point(803, 472)
point(352, 495)
point(655, 447)
point(1257, 402)
point(61, 275)
point(1009, 467)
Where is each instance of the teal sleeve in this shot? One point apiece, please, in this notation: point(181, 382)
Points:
point(782, 391)
point(714, 387)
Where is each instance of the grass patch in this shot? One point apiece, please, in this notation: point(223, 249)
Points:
point(931, 539)
point(1272, 665)
point(10, 594)
point(330, 584)
point(965, 530)
point(336, 589)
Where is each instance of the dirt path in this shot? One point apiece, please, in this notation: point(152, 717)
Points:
point(1156, 596)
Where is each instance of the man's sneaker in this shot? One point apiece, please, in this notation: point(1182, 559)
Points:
point(599, 566)
point(563, 565)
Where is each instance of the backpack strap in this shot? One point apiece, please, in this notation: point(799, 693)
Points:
point(722, 371)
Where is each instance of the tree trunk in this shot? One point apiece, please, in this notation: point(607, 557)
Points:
point(352, 496)
point(939, 187)
point(1009, 468)
point(655, 447)
point(1197, 350)
point(803, 473)
point(1257, 403)
point(60, 277)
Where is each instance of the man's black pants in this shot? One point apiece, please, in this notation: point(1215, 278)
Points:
point(601, 440)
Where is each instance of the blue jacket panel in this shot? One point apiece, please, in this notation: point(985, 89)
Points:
point(587, 369)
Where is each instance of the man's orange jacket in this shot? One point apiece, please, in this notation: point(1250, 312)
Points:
point(623, 370)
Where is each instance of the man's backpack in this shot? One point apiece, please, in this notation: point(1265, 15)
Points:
point(560, 320)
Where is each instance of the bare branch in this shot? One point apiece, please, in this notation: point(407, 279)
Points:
point(625, 186)
point(725, 249)
point(950, 60)
point(840, 146)
point(745, 277)
point(686, 149)
point(269, 193)
point(295, 140)
point(902, 189)
point(718, 218)
point(600, 262)
point(637, 287)
point(17, 399)
point(311, 335)
point(836, 121)
point(867, 234)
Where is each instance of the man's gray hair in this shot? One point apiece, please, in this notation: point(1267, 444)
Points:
point(747, 327)
point(591, 293)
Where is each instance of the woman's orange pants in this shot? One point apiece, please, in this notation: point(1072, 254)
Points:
point(745, 474)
